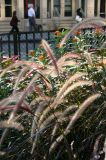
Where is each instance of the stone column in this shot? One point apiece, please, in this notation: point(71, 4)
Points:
point(43, 11)
point(90, 8)
point(62, 8)
point(77, 4)
point(14, 5)
point(20, 13)
point(98, 12)
point(20, 8)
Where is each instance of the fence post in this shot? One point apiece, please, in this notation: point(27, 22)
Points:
point(1, 47)
point(15, 41)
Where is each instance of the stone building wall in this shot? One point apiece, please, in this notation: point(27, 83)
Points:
point(51, 21)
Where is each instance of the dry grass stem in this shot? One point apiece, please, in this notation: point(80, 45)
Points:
point(75, 117)
point(50, 54)
point(40, 107)
point(74, 86)
point(18, 78)
point(69, 110)
point(59, 94)
point(96, 22)
point(11, 124)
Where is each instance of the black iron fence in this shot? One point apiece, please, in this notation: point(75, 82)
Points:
point(20, 44)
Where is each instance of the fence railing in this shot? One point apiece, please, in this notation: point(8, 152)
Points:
point(20, 44)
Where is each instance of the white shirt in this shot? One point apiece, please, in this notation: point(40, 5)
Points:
point(31, 12)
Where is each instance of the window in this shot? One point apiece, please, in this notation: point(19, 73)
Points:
point(37, 8)
point(36, 4)
point(0, 9)
point(56, 11)
point(48, 8)
point(68, 8)
point(8, 8)
point(96, 8)
point(83, 5)
point(102, 8)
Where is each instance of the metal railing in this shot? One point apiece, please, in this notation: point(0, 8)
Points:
point(20, 44)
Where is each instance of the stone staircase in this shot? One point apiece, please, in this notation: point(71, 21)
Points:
point(5, 26)
point(67, 24)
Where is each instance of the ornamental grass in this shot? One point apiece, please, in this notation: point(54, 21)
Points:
point(54, 107)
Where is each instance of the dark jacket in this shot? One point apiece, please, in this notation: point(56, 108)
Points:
point(79, 13)
point(14, 21)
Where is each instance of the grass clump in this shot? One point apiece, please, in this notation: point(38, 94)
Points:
point(56, 106)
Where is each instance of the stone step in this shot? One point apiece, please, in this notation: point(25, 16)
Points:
point(5, 26)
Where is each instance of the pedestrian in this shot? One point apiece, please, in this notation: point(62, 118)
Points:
point(31, 17)
point(79, 15)
point(14, 23)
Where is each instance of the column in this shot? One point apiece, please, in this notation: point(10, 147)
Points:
point(20, 14)
point(77, 4)
point(62, 8)
point(43, 10)
point(20, 8)
point(90, 8)
point(98, 12)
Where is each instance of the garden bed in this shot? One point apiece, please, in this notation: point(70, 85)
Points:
point(53, 106)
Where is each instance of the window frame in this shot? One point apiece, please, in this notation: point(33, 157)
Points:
point(8, 5)
point(62, 10)
point(71, 6)
point(102, 13)
point(97, 9)
point(49, 9)
point(54, 7)
point(3, 17)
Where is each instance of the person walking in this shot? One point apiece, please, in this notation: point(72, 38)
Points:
point(31, 17)
point(79, 15)
point(14, 23)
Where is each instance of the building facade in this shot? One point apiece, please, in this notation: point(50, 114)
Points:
point(49, 13)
